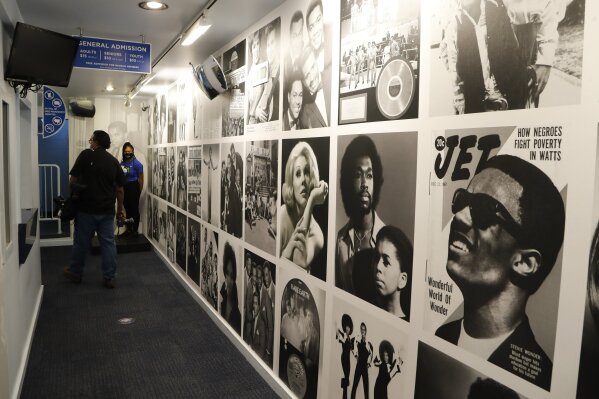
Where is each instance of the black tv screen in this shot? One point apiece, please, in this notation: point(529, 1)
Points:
point(40, 56)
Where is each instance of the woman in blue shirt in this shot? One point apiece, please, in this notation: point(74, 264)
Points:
point(134, 174)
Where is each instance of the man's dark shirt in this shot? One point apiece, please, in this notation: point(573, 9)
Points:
point(102, 174)
point(509, 355)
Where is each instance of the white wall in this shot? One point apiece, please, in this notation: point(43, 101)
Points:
point(20, 285)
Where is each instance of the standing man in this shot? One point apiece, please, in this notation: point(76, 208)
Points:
point(104, 180)
point(504, 239)
point(361, 179)
point(363, 353)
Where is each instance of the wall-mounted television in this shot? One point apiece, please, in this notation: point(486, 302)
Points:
point(39, 56)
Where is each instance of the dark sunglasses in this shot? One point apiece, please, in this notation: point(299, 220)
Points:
point(485, 211)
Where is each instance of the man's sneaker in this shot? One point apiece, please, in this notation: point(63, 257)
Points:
point(109, 283)
point(71, 276)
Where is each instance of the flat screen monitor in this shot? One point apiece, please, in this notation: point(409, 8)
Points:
point(40, 56)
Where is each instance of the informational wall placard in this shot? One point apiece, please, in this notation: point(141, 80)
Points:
point(54, 113)
point(114, 55)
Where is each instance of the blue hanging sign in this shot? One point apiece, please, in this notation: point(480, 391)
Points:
point(114, 55)
point(54, 113)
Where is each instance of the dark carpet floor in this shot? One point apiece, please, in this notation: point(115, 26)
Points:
point(172, 349)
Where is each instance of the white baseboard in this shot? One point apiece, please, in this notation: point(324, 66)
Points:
point(16, 392)
point(56, 242)
point(265, 372)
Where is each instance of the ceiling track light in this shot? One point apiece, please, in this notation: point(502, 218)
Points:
point(199, 27)
point(142, 80)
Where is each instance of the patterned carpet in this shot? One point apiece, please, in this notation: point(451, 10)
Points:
point(172, 349)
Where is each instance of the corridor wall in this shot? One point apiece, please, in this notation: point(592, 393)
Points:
point(359, 224)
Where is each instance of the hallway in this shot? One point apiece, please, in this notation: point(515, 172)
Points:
point(172, 349)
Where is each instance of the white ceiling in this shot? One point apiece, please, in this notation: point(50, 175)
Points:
point(124, 20)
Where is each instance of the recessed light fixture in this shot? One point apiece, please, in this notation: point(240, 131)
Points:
point(109, 87)
point(153, 5)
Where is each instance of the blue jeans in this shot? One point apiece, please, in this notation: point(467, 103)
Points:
point(86, 225)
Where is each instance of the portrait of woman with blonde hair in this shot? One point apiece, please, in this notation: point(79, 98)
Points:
point(303, 192)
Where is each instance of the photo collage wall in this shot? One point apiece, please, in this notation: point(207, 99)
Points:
point(357, 233)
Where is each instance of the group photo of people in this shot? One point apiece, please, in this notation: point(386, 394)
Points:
point(261, 190)
point(229, 277)
point(300, 339)
point(544, 40)
point(171, 236)
point(374, 32)
point(304, 204)
point(209, 266)
point(307, 88)
point(194, 180)
point(181, 200)
point(263, 74)
point(231, 189)
point(361, 356)
point(211, 184)
point(181, 241)
point(194, 229)
point(259, 305)
point(233, 100)
point(375, 219)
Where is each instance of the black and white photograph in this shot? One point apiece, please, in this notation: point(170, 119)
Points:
point(231, 188)
point(208, 269)
point(379, 63)
point(171, 170)
point(233, 100)
point(259, 289)
point(261, 188)
point(194, 180)
point(303, 217)
point(162, 122)
point(263, 75)
point(211, 184)
point(230, 269)
point(543, 38)
point(194, 238)
point(154, 122)
point(441, 376)
point(588, 384)
point(171, 234)
point(155, 220)
point(173, 96)
point(160, 172)
point(375, 205)
point(181, 190)
point(497, 217)
point(163, 226)
point(184, 109)
point(181, 241)
point(368, 357)
point(307, 66)
point(302, 308)
point(149, 223)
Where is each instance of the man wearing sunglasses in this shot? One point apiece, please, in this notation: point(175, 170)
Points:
point(504, 239)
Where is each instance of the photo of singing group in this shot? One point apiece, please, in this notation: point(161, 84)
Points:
point(231, 189)
point(307, 66)
point(261, 194)
point(368, 358)
point(259, 305)
point(209, 265)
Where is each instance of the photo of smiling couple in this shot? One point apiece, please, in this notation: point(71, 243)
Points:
point(497, 219)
